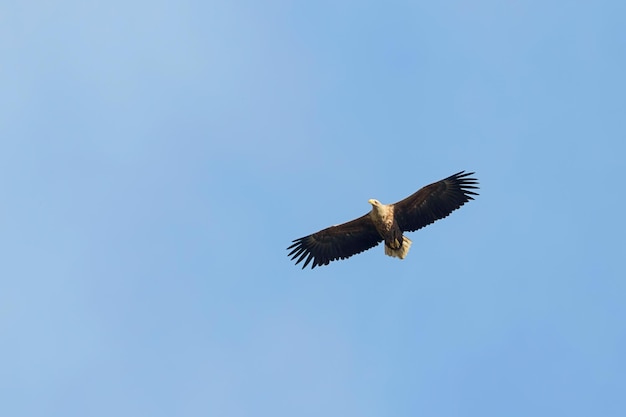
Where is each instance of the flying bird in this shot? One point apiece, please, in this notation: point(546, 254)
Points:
point(386, 222)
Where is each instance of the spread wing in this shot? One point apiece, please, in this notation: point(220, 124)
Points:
point(335, 242)
point(435, 201)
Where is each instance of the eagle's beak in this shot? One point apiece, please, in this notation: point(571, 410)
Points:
point(371, 201)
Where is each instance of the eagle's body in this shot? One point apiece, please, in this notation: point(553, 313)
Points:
point(382, 216)
point(386, 223)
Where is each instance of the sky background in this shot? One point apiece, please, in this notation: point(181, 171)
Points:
point(156, 159)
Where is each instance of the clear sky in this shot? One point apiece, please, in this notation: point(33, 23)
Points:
point(156, 159)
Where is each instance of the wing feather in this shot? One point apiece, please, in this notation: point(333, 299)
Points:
point(335, 242)
point(435, 201)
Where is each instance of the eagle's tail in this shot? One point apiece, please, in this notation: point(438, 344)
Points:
point(401, 251)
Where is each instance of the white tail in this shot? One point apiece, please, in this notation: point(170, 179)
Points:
point(399, 253)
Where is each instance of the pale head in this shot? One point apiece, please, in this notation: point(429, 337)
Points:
point(377, 207)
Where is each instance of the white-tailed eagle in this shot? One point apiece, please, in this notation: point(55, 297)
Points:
point(386, 223)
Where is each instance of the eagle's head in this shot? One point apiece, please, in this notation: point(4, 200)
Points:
point(377, 207)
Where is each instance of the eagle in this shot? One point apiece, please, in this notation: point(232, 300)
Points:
point(386, 222)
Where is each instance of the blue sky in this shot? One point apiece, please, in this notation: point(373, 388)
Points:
point(156, 159)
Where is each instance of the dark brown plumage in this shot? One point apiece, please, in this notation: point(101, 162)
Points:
point(386, 223)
